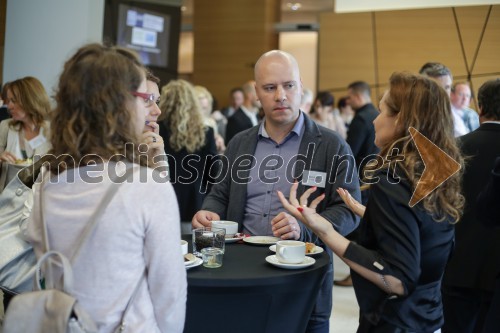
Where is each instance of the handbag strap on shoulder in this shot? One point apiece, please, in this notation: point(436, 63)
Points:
point(89, 227)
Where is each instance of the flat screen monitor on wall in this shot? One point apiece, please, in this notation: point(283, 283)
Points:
point(152, 30)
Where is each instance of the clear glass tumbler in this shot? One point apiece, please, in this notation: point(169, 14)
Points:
point(212, 257)
point(208, 237)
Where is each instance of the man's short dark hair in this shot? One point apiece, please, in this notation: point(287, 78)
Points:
point(488, 99)
point(360, 87)
point(435, 69)
point(342, 103)
point(325, 98)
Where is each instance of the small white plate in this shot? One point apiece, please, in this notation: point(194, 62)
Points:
point(233, 240)
point(196, 263)
point(261, 240)
point(190, 262)
point(308, 261)
point(317, 250)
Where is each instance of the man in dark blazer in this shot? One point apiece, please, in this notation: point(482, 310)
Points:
point(469, 278)
point(361, 134)
point(488, 212)
point(243, 195)
point(361, 138)
point(246, 116)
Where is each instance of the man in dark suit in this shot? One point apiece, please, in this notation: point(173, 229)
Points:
point(236, 99)
point(247, 114)
point(361, 134)
point(361, 138)
point(248, 195)
point(469, 278)
point(488, 212)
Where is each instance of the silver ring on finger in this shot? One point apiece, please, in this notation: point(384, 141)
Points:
point(154, 139)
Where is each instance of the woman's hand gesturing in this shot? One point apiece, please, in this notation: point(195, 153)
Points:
point(352, 203)
point(300, 209)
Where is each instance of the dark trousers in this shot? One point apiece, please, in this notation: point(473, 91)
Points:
point(465, 309)
point(492, 323)
point(314, 326)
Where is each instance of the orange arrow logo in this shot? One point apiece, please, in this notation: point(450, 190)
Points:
point(438, 166)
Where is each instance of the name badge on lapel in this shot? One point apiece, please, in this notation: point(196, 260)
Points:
point(314, 178)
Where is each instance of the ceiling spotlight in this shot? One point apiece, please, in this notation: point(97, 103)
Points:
point(294, 5)
point(183, 8)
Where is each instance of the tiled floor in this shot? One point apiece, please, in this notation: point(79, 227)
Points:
point(345, 312)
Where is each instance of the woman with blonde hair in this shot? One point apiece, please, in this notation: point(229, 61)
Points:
point(214, 119)
point(398, 266)
point(190, 145)
point(24, 135)
point(98, 122)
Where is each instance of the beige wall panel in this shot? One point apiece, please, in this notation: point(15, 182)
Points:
point(408, 39)
point(488, 60)
point(303, 46)
point(345, 50)
point(405, 41)
point(471, 21)
point(229, 36)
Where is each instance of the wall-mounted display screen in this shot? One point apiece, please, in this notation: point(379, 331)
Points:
point(145, 31)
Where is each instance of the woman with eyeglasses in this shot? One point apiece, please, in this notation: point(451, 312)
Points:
point(151, 132)
point(398, 265)
point(98, 125)
point(190, 147)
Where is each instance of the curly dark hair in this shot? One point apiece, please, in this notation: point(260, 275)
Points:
point(95, 112)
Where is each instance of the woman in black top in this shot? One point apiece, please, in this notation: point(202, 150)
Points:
point(189, 145)
point(398, 265)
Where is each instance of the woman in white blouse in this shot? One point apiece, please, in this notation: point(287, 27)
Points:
point(25, 135)
point(98, 122)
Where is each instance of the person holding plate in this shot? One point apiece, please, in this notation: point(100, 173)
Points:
point(287, 145)
point(24, 136)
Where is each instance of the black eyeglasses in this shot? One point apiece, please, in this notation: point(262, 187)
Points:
point(149, 99)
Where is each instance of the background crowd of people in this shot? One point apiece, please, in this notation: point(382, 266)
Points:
point(111, 115)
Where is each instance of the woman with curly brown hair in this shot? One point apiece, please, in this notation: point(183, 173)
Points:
point(102, 106)
point(24, 136)
point(398, 266)
point(190, 145)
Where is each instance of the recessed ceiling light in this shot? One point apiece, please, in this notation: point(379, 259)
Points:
point(294, 5)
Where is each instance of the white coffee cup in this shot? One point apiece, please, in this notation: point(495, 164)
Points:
point(184, 247)
point(290, 251)
point(230, 226)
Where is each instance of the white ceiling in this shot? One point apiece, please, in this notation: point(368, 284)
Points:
point(308, 10)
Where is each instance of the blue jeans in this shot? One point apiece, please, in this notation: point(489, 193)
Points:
point(314, 326)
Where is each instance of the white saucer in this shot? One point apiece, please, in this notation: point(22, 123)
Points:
point(317, 250)
point(261, 240)
point(308, 261)
point(195, 263)
point(190, 262)
point(233, 240)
